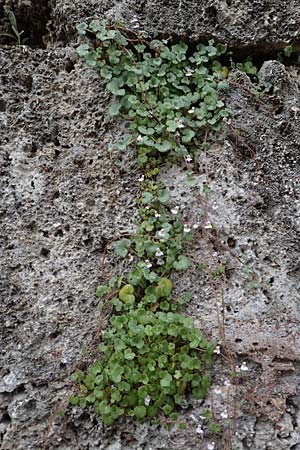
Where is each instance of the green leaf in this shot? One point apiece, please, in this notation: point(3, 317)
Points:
point(214, 427)
point(107, 419)
point(167, 409)
point(13, 20)
point(103, 290)
point(166, 380)
point(83, 50)
point(133, 99)
point(126, 294)
point(288, 50)
point(114, 86)
point(147, 197)
point(164, 288)
point(112, 282)
point(114, 109)
point(96, 26)
point(82, 403)
point(140, 412)
point(165, 146)
point(180, 49)
point(139, 48)
point(73, 400)
point(206, 381)
point(128, 354)
point(9, 35)
point(122, 247)
point(106, 73)
point(171, 125)
point(116, 374)
point(187, 296)
point(122, 143)
point(135, 277)
point(164, 196)
point(182, 263)
point(81, 28)
point(120, 39)
point(191, 182)
point(146, 131)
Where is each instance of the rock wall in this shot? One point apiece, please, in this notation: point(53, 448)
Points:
point(63, 202)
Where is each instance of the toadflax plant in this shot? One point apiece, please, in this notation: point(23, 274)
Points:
point(151, 355)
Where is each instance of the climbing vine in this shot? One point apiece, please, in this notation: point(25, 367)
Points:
point(170, 98)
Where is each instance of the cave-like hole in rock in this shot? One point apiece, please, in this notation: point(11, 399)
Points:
point(31, 18)
point(45, 252)
point(6, 419)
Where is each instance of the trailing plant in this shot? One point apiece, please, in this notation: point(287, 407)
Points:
point(151, 355)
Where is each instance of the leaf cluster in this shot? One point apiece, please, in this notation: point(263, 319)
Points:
point(169, 96)
point(149, 361)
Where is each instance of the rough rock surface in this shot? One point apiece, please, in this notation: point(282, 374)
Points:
point(63, 202)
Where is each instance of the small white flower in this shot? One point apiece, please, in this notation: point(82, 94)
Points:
point(192, 110)
point(218, 390)
point(189, 72)
point(188, 158)
point(208, 225)
point(160, 262)
point(135, 23)
point(156, 214)
point(147, 400)
point(244, 367)
point(179, 123)
point(199, 430)
point(196, 226)
point(147, 207)
point(217, 350)
point(186, 228)
point(161, 233)
point(142, 178)
point(175, 210)
point(165, 41)
point(159, 253)
point(148, 264)
point(211, 446)
point(139, 138)
point(224, 415)
point(227, 383)
point(130, 258)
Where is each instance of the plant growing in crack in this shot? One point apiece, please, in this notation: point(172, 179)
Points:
point(15, 35)
point(151, 354)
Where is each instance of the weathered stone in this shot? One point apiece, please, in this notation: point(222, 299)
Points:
point(63, 203)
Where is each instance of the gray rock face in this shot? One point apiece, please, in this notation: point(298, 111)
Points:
point(63, 203)
point(260, 26)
